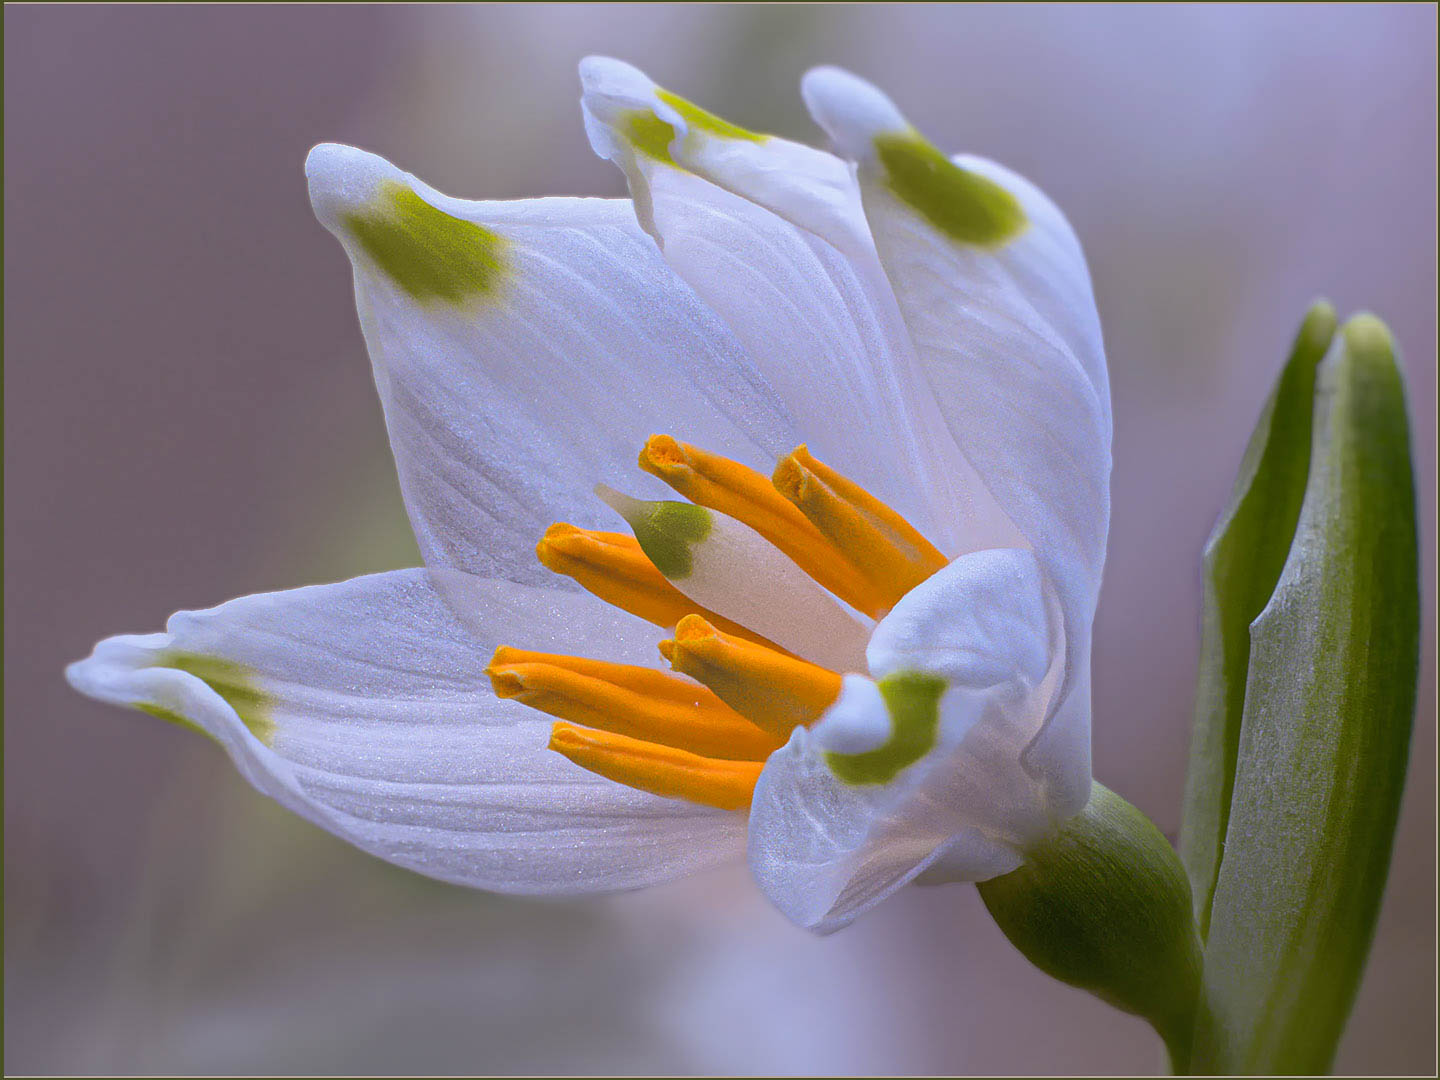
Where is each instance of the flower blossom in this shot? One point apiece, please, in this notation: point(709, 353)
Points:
point(875, 380)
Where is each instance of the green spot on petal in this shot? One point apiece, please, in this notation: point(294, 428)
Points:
point(701, 120)
point(965, 206)
point(667, 531)
point(428, 253)
point(648, 134)
point(913, 700)
point(234, 682)
point(161, 713)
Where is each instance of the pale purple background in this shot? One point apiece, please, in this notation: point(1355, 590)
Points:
point(189, 416)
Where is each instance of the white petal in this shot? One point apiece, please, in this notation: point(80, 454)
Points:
point(825, 847)
point(857, 723)
point(1007, 334)
point(851, 111)
point(807, 187)
point(825, 853)
point(509, 392)
point(770, 234)
point(987, 619)
point(980, 621)
point(1059, 754)
point(1049, 268)
point(379, 724)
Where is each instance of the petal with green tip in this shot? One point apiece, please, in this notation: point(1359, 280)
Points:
point(504, 413)
point(772, 237)
point(962, 203)
point(919, 767)
point(700, 121)
point(425, 251)
point(912, 701)
point(383, 728)
point(1003, 323)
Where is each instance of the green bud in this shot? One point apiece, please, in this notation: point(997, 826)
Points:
point(1104, 905)
point(1242, 562)
point(1324, 735)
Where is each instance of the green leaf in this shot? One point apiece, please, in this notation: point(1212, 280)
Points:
point(1241, 566)
point(1324, 736)
point(1104, 905)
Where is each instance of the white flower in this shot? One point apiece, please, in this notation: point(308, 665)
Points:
point(892, 632)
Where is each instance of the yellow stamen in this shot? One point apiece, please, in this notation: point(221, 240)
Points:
point(612, 566)
point(636, 702)
point(661, 770)
point(771, 690)
point(893, 556)
point(708, 744)
point(744, 494)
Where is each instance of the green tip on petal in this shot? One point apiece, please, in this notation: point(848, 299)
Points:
point(666, 531)
point(913, 701)
point(234, 682)
point(428, 253)
point(964, 205)
point(700, 120)
point(172, 717)
point(648, 134)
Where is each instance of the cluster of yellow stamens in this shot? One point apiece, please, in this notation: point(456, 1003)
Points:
point(704, 734)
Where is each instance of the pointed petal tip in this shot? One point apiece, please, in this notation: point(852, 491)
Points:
point(851, 110)
point(77, 674)
point(606, 75)
point(626, 506)
point(624, 112)
point(613, 94)
point(343, 178)
point(107, 670)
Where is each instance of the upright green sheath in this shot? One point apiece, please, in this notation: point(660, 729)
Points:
point(1241, 565)
point(1324, 736)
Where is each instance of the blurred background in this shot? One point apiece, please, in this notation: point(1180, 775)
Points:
point(189, 416)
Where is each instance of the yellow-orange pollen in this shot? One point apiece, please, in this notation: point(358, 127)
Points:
point(703, 734)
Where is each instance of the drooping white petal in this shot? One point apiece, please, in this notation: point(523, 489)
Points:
point(364, 706)
point(839, 821)
point(871, 843)
point(994, 290)
point(772, 236)
point(523, 352)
